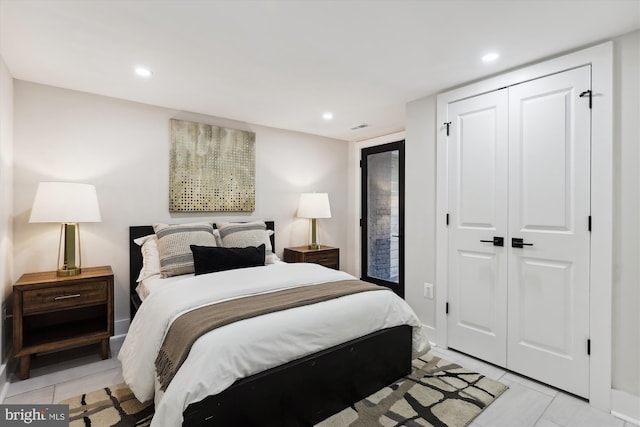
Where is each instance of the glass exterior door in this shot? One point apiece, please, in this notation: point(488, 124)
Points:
point(382, 220)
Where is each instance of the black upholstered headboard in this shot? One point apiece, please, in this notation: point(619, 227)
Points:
point(135, 257)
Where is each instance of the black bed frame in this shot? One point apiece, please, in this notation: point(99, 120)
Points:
point(302, 392)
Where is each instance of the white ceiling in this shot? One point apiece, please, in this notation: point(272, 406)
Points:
point(284, 63)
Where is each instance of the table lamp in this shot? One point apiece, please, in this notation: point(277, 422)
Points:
point(314, 206)
point(68, 204)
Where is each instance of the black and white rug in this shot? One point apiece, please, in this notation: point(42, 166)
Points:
point(111, 406)
point(436, 393)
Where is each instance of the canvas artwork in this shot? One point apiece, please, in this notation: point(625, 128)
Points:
point(212, 169)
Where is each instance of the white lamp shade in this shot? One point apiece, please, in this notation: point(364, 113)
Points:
point(65, 202)
point(314, 205)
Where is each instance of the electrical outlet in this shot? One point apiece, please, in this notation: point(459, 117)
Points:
point(428, 290)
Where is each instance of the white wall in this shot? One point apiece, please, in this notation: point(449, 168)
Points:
point(6, 202)
point(123, 148)
point(626, 219)
point(420, 231)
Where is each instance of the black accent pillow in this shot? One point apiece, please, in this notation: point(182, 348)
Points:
point(209, 259)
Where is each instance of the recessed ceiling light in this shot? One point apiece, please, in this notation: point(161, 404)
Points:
point(327, 116)
point(143, 71)
point(490, 57)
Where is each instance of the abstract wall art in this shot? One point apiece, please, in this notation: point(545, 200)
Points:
point(211, 168)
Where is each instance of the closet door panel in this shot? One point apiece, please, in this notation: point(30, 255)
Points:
point(477, 206)
point(545, 161)
point(546, 330)
point(549, 207)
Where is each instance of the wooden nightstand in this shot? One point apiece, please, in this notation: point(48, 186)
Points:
point(326, 255)
point(51, 312)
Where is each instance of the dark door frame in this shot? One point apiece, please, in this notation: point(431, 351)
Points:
point(364, 270)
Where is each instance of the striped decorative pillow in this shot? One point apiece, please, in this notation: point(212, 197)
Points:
point(174, 245)
point(243, 234)
point(150, 256)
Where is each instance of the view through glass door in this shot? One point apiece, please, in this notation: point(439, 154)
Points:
point(382, 223)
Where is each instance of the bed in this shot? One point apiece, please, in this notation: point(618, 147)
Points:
point(308, 380)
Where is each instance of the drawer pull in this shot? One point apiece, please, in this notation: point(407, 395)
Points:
point(66, 297)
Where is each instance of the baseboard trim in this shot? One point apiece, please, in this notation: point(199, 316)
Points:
point(117, 340)
point(625, 406)
point(4, 384)
point(121, 327)
point(431, 332)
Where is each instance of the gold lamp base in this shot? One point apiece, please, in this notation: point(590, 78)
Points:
point(314, 232)
point(69, 272)
point(69, 261)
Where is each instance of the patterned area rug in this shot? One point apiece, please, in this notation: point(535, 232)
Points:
point(111, 406)
point(437, 393)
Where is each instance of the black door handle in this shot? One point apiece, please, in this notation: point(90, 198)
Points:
point(519, 243)
point(497, 241)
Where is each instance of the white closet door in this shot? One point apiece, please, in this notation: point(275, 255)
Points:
point(477, 152)
point(549, 208)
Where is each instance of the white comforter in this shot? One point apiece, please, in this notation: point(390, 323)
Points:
point(238, 350)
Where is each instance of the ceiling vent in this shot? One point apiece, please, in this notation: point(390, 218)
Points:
point(362, 126)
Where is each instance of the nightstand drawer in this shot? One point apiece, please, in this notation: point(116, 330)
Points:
point(56, 297)
point(326, 255)
point(327, 258)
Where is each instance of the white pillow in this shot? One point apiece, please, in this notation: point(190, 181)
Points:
point(150, 256)
point(174, 245)
point(243, 234)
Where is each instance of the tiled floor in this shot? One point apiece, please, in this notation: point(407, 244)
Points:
point(528, 403)
point(58, 376)
point(65, 374)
